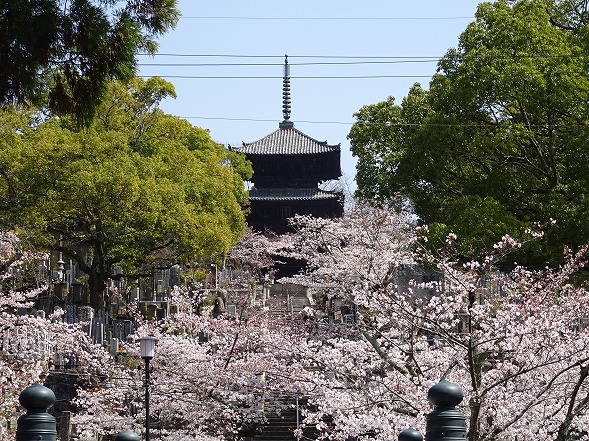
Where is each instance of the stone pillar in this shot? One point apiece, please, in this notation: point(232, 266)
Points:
point(65, 426)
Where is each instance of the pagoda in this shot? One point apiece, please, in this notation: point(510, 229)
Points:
point(289, 167)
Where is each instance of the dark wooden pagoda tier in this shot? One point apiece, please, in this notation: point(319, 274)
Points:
point(271, 207)
point(289, 158)
point(288, 168)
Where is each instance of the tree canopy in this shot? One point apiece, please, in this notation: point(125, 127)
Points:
point(499, 141)
point(516, 343)
point(64, 53)
point(30, 342)
point(136, 188)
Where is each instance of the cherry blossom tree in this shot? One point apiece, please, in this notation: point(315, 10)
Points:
point(253, 254)
point(28, 342)
point(516, 343)
point(24, 340)
point(213, 376)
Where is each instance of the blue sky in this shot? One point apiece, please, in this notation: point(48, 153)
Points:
point(225, 59)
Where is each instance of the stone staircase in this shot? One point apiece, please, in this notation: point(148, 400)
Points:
point(281, 426)
point(287, 298)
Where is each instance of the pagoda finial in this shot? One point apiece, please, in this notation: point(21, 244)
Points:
point(286, 123)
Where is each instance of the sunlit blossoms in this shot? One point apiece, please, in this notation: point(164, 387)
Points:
point(28, 342)
point(211, 375)
point(387, 320)
point(517, 342)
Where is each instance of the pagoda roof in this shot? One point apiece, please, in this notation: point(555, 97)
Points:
point(286, 141)
point(292, 194)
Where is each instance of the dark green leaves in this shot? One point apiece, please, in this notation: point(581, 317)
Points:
point(499, 140)
point(64, 53)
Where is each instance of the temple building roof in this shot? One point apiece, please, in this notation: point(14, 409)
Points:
point(289, 166)
point(291, 194)
point(286, 141)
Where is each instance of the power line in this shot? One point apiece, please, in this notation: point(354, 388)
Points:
point(281, 57)
point(273, 77)
point(263, 120)
point(325, 63)
point(364, 59)
point(387, 124)
point(193, 17)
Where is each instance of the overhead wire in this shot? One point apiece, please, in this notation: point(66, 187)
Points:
point(371, 59)
point(281, 57)
point(330, 63)
point(381, 60)
point(355, 61)
point(230, 17)
point(367, 123)
point(274, 77)
point(350, 60)
point(364, 60)
point(263, 120)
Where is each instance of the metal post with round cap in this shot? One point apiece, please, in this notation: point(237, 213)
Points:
point(410, 435)
point(37, 424)
point(147, 350)
point(127, 435)
point(445, 422)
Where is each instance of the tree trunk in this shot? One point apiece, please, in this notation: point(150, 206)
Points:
point(475, 368)
point(98, 277)
point(473, 426)
point(565, 426)
point(97, 285)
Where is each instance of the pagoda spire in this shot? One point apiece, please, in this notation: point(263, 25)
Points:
point(286, 123)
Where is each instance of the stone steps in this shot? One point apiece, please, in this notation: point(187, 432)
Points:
point(281, 427)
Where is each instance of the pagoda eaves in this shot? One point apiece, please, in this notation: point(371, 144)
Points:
point(286, 141)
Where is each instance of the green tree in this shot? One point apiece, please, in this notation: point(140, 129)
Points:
point(137, 188)
point(500, 139)
point(64, 53)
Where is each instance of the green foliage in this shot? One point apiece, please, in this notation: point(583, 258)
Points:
point(64, 53)
point(136, 188)
point(500, 139)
